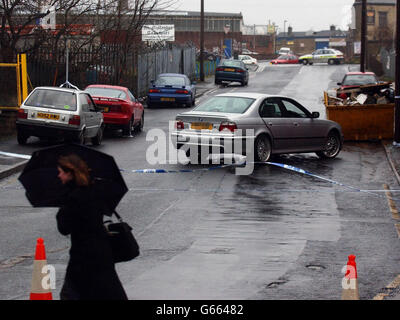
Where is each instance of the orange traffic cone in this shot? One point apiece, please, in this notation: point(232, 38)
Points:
point(350, 281)
point(37, 290)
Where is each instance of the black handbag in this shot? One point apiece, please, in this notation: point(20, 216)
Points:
point(123, 244)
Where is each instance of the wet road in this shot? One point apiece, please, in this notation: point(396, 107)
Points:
point(274, 234)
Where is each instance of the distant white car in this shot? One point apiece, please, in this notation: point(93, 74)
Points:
point(247, 59)
point(284, 51)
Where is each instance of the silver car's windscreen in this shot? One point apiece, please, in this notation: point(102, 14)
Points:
point(170, 81)
point(226, 104)
point(53, 99)
point(106, 92)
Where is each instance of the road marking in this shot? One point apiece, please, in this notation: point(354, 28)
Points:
point(389, 288)
point(16, 155)
point(380, 296)
point(394, 284)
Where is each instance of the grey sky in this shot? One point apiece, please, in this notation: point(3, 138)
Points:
point(302, 15)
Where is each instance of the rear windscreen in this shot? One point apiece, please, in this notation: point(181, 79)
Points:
point(231, 63)
point(226, 105)
point(54, 99)
point(170, 81)
point(106, 92)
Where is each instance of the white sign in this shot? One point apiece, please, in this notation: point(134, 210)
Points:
point(162, 32)
point(337, 43)
point(357, 47)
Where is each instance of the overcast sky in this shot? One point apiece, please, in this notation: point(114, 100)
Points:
point(302, 15)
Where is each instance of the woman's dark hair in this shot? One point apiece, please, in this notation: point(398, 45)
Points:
point(77, 167)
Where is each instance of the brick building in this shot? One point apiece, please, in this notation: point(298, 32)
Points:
point(217, 28)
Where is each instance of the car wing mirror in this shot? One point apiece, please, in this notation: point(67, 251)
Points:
point(315, 115)
point(141, 100)
point(339, 83)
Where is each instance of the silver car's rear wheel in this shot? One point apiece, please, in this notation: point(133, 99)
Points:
point(305, 61)
point(331, 148)
point(262, 149)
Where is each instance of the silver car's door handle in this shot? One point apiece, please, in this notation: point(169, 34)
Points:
point(270, 123)
point(295, 124)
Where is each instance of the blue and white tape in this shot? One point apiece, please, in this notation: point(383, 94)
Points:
point(281, 165)
point(175, 171)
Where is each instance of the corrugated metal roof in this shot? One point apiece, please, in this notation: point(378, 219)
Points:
point(194, 14)
point(378, 2)
point(314, 34)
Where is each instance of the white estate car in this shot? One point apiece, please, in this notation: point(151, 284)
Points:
point(54, 112)
point(247, 59)
point(330, 56)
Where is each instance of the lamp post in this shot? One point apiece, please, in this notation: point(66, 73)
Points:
point(284, 27)
point(363, 34)
point(396, 141)
point(202, 41)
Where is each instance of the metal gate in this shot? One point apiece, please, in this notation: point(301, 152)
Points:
point(13, 73)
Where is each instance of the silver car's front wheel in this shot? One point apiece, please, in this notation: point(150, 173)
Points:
point(262, 149)
point(331, 148)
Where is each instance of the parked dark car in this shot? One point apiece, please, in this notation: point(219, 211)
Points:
point(353, 80)
point(172, 89)
point(232, 71)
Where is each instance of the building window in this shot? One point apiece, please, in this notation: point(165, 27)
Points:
point(383, 19)
point(370, 17)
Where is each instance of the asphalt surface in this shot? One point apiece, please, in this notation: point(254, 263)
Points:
point(228, 217)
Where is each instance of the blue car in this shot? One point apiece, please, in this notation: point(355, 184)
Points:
point(232, 71)
point(172, 89)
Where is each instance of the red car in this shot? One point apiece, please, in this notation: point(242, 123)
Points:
point(120, 107)
point(286, 59)
point(353, 80)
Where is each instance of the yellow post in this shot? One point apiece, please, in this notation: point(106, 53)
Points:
point(18, 80)
point(24, 76)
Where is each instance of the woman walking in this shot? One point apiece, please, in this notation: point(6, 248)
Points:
point(91, 271)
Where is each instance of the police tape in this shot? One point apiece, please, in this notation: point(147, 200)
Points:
point(298, 170)
point(176, 171)
point(281, 165)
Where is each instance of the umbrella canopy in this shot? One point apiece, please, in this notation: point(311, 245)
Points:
point(44, 188)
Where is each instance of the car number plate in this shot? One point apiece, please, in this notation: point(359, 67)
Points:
point(48, 116)
point(201, 126)
point(168, 99)
point(229, 70)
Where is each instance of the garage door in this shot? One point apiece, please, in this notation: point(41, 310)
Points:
point(321, 44)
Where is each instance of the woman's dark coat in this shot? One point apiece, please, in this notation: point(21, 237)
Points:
point(90, 272)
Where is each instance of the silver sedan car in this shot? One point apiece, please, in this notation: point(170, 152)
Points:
point(261, 123)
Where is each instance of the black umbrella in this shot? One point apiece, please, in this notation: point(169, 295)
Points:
point(44, 188)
